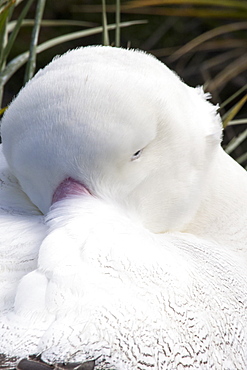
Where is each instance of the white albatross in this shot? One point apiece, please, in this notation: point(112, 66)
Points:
point(122, 221)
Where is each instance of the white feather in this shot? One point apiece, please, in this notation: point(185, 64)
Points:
point(145, 269)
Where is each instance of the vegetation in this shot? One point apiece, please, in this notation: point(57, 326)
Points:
point(204, 41)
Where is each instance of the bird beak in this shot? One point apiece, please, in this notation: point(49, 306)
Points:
point(68, 188)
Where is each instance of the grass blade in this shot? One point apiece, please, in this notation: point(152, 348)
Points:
point(211, 9)
point(31, 64)
point(21, 59)
point(242, 121)
point(242, 158)
point(232, 97)
point(232, 70)
point(117, 35)
point(51, 23)
point(2, 110)
point(104, 23)
point(207, 36)
point(5, 13)
point(217, 3)
point(16, 29)
point(232, 113)
point(235, 142)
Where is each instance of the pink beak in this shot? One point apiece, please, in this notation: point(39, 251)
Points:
point(67, 188)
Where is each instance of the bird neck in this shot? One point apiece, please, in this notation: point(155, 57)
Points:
point(222, 215)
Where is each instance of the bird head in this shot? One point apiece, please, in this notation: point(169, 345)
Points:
point(120, 123)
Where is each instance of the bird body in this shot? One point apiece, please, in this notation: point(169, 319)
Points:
point(128, 219)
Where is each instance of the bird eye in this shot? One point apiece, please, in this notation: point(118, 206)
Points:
point(136, 155)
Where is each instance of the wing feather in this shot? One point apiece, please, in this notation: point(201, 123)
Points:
point(22, 230)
